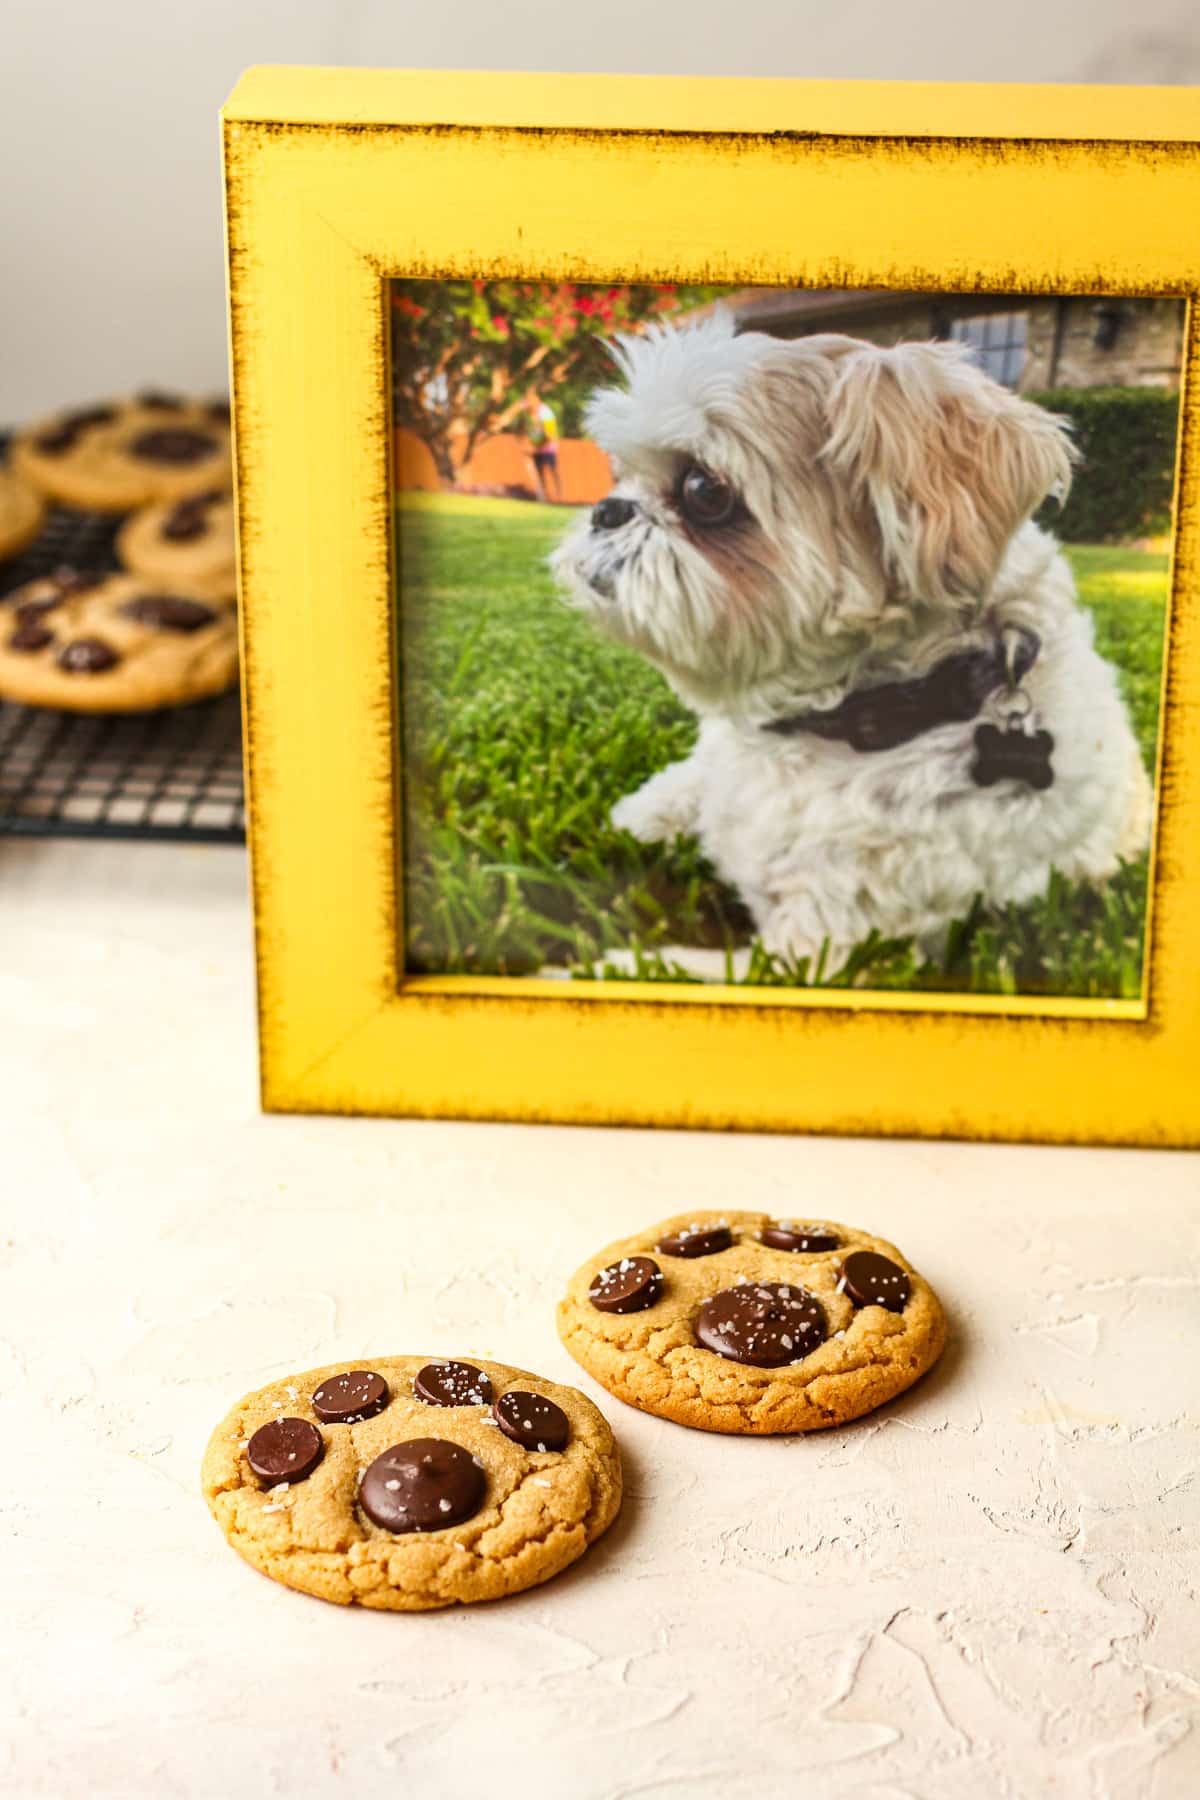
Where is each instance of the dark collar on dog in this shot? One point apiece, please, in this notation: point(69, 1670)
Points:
point(895, 712)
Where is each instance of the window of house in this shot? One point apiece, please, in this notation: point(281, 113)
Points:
point(997, 341)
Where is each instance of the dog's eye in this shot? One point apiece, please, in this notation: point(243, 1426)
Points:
point(705, 499)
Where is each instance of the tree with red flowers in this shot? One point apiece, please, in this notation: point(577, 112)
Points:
point(467, 353)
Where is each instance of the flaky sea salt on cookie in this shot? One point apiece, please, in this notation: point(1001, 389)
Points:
point(744, 1323)
point(410, 1483)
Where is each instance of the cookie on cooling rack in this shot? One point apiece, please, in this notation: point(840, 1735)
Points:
point(126, 453)
point(93, 642)
point(22, 510)
point(739, 1322)
point(185, 543)
point(410, 1484)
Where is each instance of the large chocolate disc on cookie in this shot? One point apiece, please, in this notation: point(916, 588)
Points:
point(421, 1486)
point(31, 635)
point(345, 1399)
point(869, 1279)
point(176, 446)
point(630, 1285)
point(531, 1421)
point(696, 1240)
point(168, 612)
point(285, 1450)
point(766, 1323)
point(184, 524)
point(789, 1236)
point(87, 656)
point(452, 1384)
point(89, 415)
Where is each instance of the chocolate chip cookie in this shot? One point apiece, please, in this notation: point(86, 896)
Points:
point(188, 544)
point(92, 642)
point(126, 453)
point(21, 512)
point(412, 1483)
point(741, 1322)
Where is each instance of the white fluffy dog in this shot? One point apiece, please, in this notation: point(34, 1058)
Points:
point(827, 549)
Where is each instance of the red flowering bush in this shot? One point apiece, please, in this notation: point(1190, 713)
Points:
point(466, 353)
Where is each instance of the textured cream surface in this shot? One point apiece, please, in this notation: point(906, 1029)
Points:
point(156, 667)
point(984, 1591)
point(540, 1510)
point(652, 1358)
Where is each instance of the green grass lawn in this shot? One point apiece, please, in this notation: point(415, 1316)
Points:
point(522, 726)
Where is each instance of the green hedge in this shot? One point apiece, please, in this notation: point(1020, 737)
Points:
point(1122, 488)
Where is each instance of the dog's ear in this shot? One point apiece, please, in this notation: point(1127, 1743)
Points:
point(947, 462)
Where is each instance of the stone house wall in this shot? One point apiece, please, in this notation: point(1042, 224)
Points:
point(1073, 341)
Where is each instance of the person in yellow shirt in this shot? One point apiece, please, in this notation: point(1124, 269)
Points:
point(542, 430)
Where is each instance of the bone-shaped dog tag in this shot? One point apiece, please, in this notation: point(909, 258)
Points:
point(1012, 755)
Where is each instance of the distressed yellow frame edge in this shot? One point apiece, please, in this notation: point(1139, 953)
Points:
point(335, 179)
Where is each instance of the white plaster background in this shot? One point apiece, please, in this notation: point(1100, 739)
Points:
point(110, 210)
point(987, 1590)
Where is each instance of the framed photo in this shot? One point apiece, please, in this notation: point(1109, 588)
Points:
point(718, 571)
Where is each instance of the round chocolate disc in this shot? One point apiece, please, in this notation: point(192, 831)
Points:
point(697, 1240)
point(627, 1286)
point(168, 612)
point(74, 581)
point(422, 1485)
point(285, 1450)
point(156, 401)
point(345, 1399)
point(184, 524)
point(869, 1279)
point(30, 635)
point(56, 441)
point(89, 415)
point(175, 446)
point(766, 1323)
point(189, 518)
point(87, 656)
point(452, 1384)
point(531, 1421)
point(790, 1236)
point(29, 610)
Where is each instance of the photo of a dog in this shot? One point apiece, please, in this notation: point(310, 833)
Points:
point(740, 647)
point(800, 526)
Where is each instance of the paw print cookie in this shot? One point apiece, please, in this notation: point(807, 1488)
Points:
point(412, 1483)
point(187, 544)
point(21, 512)
point(740, 1322)
point(126, 453)
point(92, 642)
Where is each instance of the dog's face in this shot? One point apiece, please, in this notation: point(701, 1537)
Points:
point(781, 506)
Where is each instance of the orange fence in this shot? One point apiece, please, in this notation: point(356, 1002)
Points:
point(504, 464)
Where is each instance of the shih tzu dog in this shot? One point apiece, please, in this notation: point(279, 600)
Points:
point(827, 548)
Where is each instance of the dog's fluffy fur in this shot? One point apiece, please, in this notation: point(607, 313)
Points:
point(884, 522)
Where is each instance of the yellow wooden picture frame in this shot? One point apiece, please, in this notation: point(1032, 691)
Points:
point(336, 181)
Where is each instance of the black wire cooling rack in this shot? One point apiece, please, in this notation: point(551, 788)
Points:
point(176, 773)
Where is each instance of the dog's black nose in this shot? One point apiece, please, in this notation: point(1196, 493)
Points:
point(612, 512)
